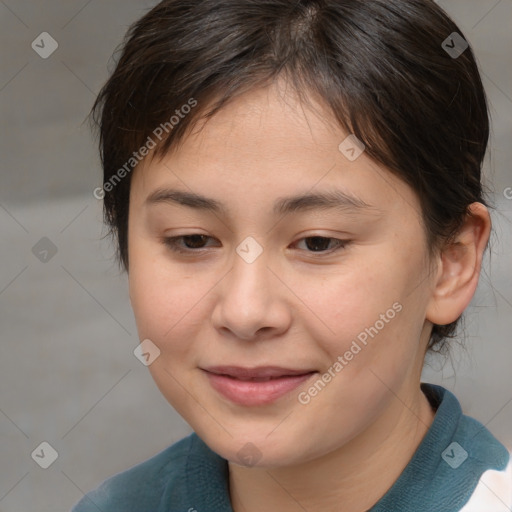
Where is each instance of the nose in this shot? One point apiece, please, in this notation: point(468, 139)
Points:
point(252, 301)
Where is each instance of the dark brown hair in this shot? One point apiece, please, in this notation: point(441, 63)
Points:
point(381, 67)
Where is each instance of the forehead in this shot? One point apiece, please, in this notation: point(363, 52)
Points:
point(267, 147)
point(272, 116)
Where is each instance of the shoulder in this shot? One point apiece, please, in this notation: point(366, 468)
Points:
point(459, 465)
point(142, 486)
point(477, 467)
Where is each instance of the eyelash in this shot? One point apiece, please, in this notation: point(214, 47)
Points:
point(172, 244)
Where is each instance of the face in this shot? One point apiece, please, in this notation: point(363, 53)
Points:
point(338, 290)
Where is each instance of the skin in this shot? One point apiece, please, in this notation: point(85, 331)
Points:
point(295, 306)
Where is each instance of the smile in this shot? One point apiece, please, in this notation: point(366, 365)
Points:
point(253, 387)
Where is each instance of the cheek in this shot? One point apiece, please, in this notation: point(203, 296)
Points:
point(166, 308)
point(355, 300)
point(161, 305)
point(161, 298)
point(372, 316)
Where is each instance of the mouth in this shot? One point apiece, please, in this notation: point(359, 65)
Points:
point(255, 386)
point(261, 373)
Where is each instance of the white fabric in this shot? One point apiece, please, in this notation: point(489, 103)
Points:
point(493, 492)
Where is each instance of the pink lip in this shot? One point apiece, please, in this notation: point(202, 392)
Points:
point(250, 392)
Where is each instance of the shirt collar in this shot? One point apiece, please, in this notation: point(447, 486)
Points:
point(428, 482)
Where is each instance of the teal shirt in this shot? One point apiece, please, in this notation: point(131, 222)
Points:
point(441, 476)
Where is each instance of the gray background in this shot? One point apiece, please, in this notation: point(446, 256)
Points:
point(68, 375)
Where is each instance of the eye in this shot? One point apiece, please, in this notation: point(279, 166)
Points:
point(195, 243)
point(320, 242)
point(194, 240)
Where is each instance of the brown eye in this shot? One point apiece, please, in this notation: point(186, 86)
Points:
point(191, 242)
point(188, 244)
point(320, 244)
point(194, 241)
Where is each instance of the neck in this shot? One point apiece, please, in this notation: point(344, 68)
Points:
point(351, 478)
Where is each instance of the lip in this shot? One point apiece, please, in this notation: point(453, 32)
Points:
point(260, 372)
point(227, 380)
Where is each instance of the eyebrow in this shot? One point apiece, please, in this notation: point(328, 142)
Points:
point(329, 200)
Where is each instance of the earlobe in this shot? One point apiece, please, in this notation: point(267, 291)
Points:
point(459, 268)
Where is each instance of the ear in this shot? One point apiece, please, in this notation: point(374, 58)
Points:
point(459, 267)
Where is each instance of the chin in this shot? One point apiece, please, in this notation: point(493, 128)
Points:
point(256, 451)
